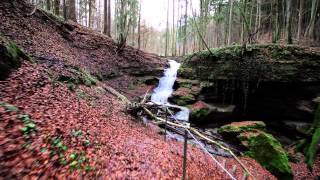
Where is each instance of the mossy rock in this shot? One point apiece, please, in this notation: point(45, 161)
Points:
point(199, 110)
point(311, 150)
point(244, 126)
point(184, 100)
point(200, 113)
point(11, 57)
point(266, 150)
point(76, 76)
point(269, 62)
point(183, 96)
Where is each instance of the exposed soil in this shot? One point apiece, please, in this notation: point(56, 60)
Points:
point(85, 133)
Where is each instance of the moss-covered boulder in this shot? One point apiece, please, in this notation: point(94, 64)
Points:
point(236, 128)
point(199, 110)
point(261, 146)
point(75, 76)
point(11, 57)
point(183, 96)
point(266, 150)
point(312, 147)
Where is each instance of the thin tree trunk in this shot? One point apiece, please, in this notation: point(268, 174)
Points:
point(167, 32)
point(72, 11)
point(106, 27)
point(288, 21)
point(184, 50)
point(275, 21)
point(65, 14)
point(300, 16)
point(90, 13)
point(230, 22)
point(139, 28)
point(310, 29)
point(173, 30)
point(57, 7)
point(48, 4)
point(109, 19)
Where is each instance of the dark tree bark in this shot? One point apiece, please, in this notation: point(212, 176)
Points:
point(288, 21)
point(65, 14)
point(107, 18)
point(72, 11)
point(48, 5)
point(57, 7)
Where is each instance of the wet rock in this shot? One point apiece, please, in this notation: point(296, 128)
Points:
point(11, 57)
point(264, 148)
point(260, 145)
point(183, 96)
point(236, 128)
point(200, 110)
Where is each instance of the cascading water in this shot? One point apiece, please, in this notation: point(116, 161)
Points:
point(165, 88)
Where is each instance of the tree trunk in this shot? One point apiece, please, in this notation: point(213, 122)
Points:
point(65, 14)
point(184, 50)
point(57, 7)
point(167, 32)
point(173, 30)
point(90, 13)
point(139, 28)
point(107, 18)
point(310, 29)
point(300, 16)
point(288, 21)
point(48, 4)
point(275, 21)
point(72, 11)
point(230, 22)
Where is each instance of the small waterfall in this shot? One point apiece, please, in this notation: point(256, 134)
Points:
point(165, 89)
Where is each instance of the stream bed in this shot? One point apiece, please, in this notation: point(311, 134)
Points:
point(160, 97)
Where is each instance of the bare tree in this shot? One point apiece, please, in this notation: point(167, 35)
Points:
point(107, 18)
point(230, 21)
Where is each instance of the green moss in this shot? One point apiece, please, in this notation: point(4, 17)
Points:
point(78, 77)
point(269, 153)
point(236, 129)
point(312, 148)
point(316, 120)
point(9, 107)
point(197, 114)
point(184, 100)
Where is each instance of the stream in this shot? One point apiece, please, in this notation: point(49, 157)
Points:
point(160, 96)
point(165, 89)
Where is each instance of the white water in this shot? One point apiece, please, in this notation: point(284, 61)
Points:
point(165, 88)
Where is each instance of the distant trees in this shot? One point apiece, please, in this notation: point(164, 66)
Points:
point(126, 19)
point(215, 22)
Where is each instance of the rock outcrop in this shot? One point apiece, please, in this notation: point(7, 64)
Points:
point(260, 145)
point(265, 82)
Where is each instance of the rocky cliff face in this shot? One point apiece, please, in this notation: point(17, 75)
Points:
point(265, 82)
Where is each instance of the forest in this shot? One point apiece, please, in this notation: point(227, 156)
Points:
point(193, 25)
point(160, 89)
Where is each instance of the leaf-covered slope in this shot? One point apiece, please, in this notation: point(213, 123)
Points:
point(52, 41)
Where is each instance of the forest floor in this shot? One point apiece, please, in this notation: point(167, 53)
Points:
point(48, 130)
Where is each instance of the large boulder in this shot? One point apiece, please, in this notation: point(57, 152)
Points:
point(184, 95)
point(260, 145)
point(11, 57)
